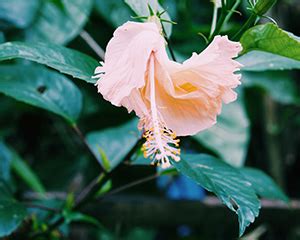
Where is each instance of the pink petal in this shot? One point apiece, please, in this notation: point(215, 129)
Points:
point(126, 61)
point(190, 95)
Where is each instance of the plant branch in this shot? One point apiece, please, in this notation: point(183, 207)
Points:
point(42, 196)
point(225, 16)
point(42, 207)
point(168, 43)
point(233, 9)
point(88, 191)
point(219, 24)
point(93, 44)
point(214, 20)
point(82, 138)
point(130, 185)
point(249, 23)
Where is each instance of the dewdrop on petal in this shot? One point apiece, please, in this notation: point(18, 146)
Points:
point(171, 99)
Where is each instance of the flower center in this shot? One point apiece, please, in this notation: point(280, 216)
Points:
point(161, 143)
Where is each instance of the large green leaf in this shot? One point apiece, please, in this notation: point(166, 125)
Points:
point(230, 136)
point(270, 38)
point(41, 87)
point(59, 21)
point(263, 61)
point(225, 181)
point(115, 12)
point(263, 184)
point(12, 213)
point(141, 9)
point(112, 145)
point(267, 41)
point(17, 13)
point(63, 59)
point(279, 85)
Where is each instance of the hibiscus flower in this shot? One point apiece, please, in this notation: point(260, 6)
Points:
point(170, 98)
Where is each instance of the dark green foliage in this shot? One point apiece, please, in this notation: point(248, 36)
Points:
point(12, 213)
point(230, 186)
point(48, 162)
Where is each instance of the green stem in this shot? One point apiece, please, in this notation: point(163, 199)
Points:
point(130, 185)
point(219, 24)
point(224, 18)
point(92, 44)
point(169, 43)
point(41, 207)
point(249, 23)
point(92, 188)
point(87, 146)
point(89, 192)
point(214, 21)
point(236, 4)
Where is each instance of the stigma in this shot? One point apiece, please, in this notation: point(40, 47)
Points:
point(161, 144)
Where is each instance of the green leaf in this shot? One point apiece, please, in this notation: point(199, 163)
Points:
point(138, 158)
point(263, 185)
point(12, 213)
point(279, 85)
point(10, 160)
point(141, 9)
point(60, 21)
point(24, 171)
point(229, 138)
point(63, 59)
point(263, 61)
point(41, 87)
point(80, 217)
point(112, 145)
point(18, 13)
point(2, 37)
point(269, 38)
point(225, 181)
point(104, 189)
point(5, 161)
point(115, 12)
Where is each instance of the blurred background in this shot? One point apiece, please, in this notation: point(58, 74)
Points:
point(261, 129)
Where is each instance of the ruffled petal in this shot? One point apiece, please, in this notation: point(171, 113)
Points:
point(216, 65)
point(126, 59)
point(190, 95)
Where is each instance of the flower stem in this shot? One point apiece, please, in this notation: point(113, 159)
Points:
point(249, 23)
point(83, 140)
point(236, 4)
point(93, 44)
point(225, 16)
point(214, 20)
point(169, 43)
point(89, 191)
point(219, 25)
point(130, 185)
